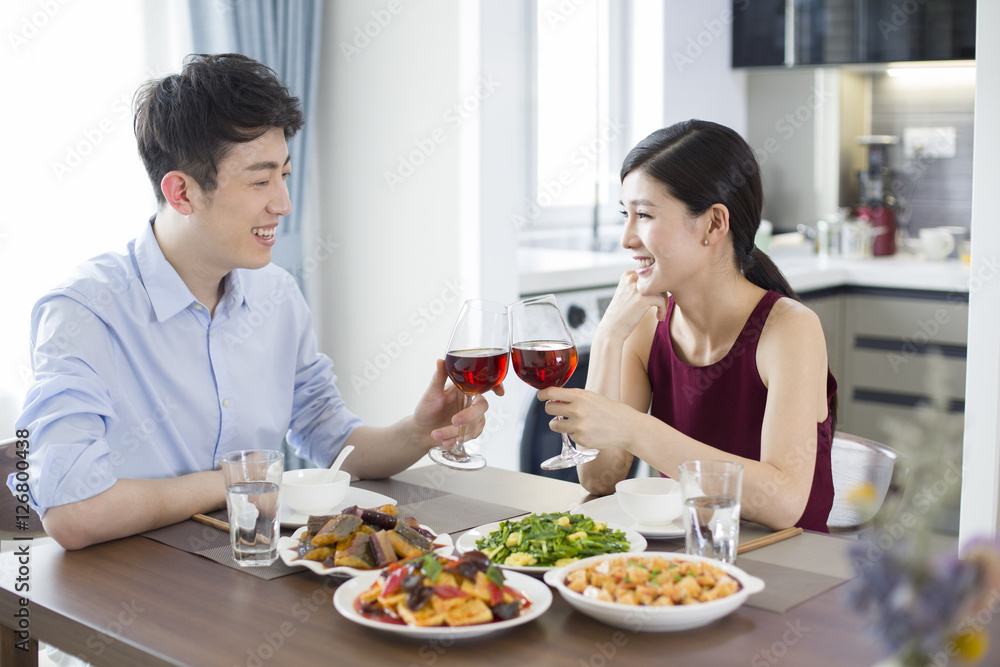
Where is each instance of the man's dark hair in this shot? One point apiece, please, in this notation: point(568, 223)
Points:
point(190, 121)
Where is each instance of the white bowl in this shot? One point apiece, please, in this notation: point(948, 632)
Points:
point(650, 501)
point(655, 619)
point(307, 492)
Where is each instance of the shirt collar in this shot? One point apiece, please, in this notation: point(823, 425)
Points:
point(167, 291)
point(234, 292)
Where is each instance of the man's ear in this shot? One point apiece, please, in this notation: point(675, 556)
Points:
point(176, 188)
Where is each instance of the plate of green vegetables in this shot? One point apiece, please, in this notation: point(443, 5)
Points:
point(536, 543)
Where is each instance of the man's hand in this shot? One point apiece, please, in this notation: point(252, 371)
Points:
point(441, 412)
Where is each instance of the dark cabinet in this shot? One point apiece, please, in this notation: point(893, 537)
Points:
point(835, 32)
point(758, 33)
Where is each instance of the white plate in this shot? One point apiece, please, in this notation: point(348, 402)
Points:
point(655, 619)
point(537, 593)
point(607, 509)
point(288, 550)
point(467, 542)
point(355, 496)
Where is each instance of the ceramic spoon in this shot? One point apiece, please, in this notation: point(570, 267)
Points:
point(339, 461)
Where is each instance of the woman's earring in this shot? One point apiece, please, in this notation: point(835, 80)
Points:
point(705, 241)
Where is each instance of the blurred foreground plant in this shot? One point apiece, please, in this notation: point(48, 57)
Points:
point(928, 607)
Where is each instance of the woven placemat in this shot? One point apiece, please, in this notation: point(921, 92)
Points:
point(441, 511)
point(403, 493)
point(212, 543)
point(784, 587)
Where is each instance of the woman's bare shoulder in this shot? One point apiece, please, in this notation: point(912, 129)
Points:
point(792, 332)
point(789, 317)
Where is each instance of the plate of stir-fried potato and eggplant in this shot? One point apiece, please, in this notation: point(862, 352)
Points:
point(359, 540)
point(438, 597)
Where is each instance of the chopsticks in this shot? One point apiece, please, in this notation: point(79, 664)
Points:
point(209, 521)
point(768, 539)
point(221, 525)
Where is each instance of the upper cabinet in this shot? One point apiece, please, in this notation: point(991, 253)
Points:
point(768, 33)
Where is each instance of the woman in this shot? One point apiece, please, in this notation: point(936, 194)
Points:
point(706, 335)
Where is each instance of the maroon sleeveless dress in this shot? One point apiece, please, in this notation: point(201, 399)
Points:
point(722, 405)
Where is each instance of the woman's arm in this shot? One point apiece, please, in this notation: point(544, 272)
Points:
point(617, 371)
point(791, 359)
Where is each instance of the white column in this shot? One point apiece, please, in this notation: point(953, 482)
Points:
point(980, 510)
point(389, 119)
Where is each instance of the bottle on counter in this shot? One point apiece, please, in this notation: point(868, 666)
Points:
point(877, 205)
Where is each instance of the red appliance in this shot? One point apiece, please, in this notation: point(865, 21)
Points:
point(877, 203)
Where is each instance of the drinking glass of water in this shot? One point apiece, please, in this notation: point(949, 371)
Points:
point(253, 477)
point(710, 491)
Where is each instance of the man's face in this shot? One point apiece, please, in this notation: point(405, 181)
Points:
point(237, 221)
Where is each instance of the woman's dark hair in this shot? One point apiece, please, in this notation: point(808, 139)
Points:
point(701, 163)
point(190, 121)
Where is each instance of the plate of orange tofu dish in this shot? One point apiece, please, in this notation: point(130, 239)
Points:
point(435, 596)
point(359, 540)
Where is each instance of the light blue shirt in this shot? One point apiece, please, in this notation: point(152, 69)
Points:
point(134, 379)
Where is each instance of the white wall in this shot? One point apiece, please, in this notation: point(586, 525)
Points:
point(416, 89)
point(391, 288)
point(72, 182)
point(698, 79)
point(980, 514)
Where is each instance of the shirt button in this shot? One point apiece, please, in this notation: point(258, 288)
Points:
point(198, 306)
point(225, 402)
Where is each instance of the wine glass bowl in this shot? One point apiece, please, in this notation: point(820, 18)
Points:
point(544, 363)
point(544, 355)
point(476, 371)
point(476, 362)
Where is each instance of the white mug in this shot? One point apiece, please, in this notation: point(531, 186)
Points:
point(937, 242)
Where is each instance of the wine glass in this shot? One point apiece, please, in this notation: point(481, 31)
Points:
point(543, 355)
point(476, 362)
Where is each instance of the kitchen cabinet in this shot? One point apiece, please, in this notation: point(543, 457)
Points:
point(759, 33)
point(836, 32)
point(883, 343)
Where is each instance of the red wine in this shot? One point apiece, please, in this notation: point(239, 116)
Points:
point(544, 363)
point(476, 371)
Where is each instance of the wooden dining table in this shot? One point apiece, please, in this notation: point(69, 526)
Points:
point(136, 601)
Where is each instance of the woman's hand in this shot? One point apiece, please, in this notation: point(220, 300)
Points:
point(440, 412)
point(590, 419)
point(628, 307)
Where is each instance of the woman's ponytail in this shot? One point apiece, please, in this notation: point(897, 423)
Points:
point(761, 270)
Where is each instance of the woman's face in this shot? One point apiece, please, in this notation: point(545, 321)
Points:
point(665, 241)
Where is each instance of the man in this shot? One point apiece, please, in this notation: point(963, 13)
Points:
point(151, 365)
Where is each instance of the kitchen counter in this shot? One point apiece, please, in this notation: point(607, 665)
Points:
point(544, 270)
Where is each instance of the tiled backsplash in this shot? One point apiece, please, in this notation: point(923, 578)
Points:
point(932, 191)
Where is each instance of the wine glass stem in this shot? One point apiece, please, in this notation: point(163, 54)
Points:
point(567, 446)
point(457, 450)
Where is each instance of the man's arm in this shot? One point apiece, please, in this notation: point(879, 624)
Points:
point(133, 506)
point(384, 451)
point(68, 410)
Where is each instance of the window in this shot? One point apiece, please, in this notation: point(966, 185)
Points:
point(596, 77)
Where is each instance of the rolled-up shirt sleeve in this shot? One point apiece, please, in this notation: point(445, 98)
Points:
point(70, 406)
point(321, 422)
